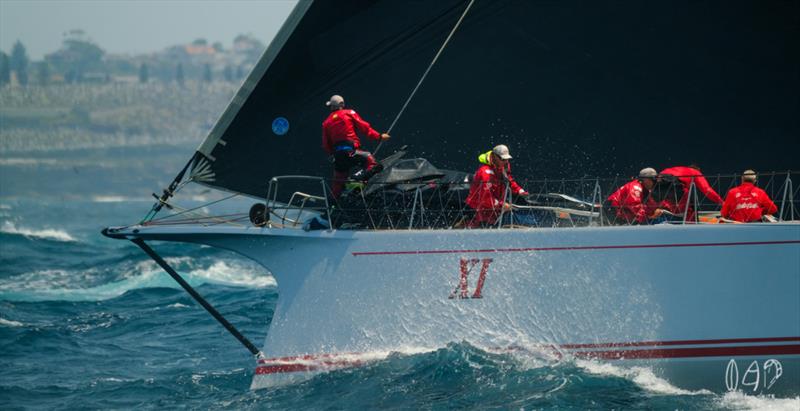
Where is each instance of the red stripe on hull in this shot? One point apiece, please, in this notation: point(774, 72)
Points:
point(656, 353)
point(575, 248)
point(690, 352)
point(681, 342)
point(281, 368)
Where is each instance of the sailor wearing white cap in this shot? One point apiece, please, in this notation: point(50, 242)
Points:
point(340, 139)
point(487, 194)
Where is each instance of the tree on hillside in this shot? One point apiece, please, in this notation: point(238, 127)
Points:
point(179, 77)
point(19, 62)
point(77, 55)
point(144, 74)
point(227, 74)
point(43, 73)
point(5, 69)
point(218, 47)
point(200, 42)
point(250, 46)
point(207, 73)
point(239, 72)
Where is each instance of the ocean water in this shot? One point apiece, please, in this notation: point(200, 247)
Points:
point(88, 322)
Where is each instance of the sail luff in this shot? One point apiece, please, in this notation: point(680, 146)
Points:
point(238, 100)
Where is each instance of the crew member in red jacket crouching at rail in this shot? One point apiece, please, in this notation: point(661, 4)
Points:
point(687, 176)
point(340, 139)
point(632, 203)
point(747, 203)
point(487, 194)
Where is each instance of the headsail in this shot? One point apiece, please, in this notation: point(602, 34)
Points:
point(323, 46)
point(567, 85)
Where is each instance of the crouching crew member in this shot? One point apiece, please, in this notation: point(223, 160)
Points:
point(487, 194)
point(687, 175)
point(747, 203)
point(632, 203)
point(340, 133)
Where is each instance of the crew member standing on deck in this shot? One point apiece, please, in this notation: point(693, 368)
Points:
point(340, 133)
point(687, 176)
point(632, 203)
point(487, 194)
point(747, 203)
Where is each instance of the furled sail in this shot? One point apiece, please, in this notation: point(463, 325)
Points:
point(573, 88)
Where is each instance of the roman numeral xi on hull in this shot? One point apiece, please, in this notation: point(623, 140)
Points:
point(467, 264)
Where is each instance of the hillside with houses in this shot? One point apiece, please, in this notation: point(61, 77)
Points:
point(81, 60)
point(82, 97)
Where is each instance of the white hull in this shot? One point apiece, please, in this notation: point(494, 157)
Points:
point(706, 306)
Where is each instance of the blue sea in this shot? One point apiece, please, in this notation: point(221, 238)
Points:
point(88, 322)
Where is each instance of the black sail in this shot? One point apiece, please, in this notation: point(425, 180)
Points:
point(574, 88)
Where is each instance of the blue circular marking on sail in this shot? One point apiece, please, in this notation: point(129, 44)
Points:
point(280, 126)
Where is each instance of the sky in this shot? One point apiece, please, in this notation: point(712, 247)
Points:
point(136, 26)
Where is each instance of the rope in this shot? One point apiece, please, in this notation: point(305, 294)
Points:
point(184, 211)
point(425, 74)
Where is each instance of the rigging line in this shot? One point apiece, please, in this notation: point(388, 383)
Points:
point(425, 74)
point(168, 192)
point(195, 208)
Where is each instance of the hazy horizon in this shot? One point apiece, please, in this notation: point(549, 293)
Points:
point(133, 27)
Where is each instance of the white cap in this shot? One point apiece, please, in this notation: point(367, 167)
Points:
point(648, 172)
point(501, 151)
point(335, 101)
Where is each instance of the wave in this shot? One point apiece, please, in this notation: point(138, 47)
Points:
point(642, 376)
point(461, 373)
point(23, 161)
point(741, 401)
point(647, 380)
point(55, 284)
point(110, 199)
point(224, 273)
point(10, 323)
point(48, 234)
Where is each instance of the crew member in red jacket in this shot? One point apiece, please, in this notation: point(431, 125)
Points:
point(487, 194)
point(632, 203)
point(747, 203)
point(687, 175)
point(340, 133)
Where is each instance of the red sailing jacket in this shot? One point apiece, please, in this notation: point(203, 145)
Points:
point(342, 126)
point(488, 193)
point(747, 203)
point(632, 202)
point(686, 175)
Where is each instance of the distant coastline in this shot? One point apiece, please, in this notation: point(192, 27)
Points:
point(78, 116)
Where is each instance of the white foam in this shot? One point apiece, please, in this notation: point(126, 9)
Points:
point(177, 305)
point(27, 161)
point(642, 376)
point(222, 272)
point(10, 323)
point(5, 207)
point(59, 284)
point(49, 234)
point(740, 401)
point(110, 199)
